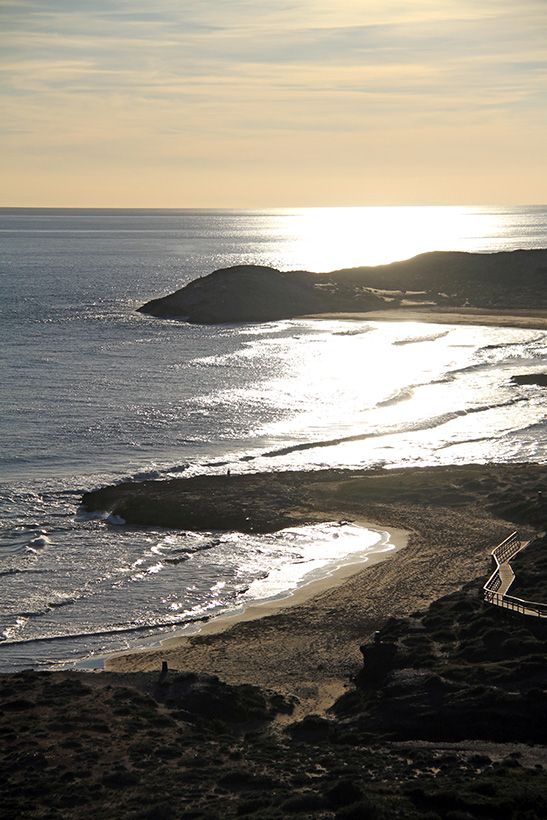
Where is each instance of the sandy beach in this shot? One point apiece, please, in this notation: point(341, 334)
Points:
point(531, 319)
point(308, 646)
point(329, 578)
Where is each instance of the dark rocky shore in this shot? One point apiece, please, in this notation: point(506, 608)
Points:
point(265, 502)
point(512, 280)
point(537, 379)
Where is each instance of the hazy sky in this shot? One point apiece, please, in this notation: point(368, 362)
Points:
point(191, 103)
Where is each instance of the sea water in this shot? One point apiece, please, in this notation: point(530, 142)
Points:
point(94, 392)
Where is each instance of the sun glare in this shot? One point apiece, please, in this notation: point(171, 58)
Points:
point(323, 239)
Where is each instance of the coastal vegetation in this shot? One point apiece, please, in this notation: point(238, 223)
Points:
point(445, 729)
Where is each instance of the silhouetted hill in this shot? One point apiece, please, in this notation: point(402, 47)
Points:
point(504, 280)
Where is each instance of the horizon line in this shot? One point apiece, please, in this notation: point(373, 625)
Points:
point(270, 207)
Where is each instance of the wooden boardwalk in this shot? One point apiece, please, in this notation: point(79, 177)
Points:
point(497, 586)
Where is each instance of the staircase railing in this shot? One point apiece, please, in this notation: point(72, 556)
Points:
point(502, 555)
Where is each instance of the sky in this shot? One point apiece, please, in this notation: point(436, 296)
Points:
point(289, 103)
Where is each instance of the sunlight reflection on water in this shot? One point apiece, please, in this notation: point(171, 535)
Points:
point(94, 392)
point(324, 239)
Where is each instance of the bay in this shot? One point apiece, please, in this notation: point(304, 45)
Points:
point(94, 392)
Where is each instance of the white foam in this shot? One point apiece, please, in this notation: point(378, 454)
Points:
point(96, 515)
point(39, 541)
point(115, 520)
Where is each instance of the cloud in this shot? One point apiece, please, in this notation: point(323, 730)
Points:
point(185, 39)
point(187, 80)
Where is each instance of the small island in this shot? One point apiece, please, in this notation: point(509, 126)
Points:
point(430, 284)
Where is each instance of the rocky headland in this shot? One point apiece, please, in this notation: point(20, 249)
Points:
point(507, 280)
point(265, 502)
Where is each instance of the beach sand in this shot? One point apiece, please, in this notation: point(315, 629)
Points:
point(332, 577)
point(532, 319)
point(308, 647)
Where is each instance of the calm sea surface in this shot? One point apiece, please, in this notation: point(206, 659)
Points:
point(93, 392)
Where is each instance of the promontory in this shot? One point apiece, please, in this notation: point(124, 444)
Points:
point(436, 281)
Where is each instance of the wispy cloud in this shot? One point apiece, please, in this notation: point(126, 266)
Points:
point(192, 80)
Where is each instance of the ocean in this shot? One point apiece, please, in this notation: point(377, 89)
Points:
point(94, 392)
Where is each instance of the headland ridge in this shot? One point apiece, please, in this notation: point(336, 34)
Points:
point(438, 281)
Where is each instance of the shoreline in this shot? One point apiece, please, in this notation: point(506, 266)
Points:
point(330, 577)
point(310, 648)
point(525, 319)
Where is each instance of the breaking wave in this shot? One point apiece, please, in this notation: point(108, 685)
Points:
point(409, 428)
point(411, 340)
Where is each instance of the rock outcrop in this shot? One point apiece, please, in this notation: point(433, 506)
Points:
point(538, 379)
point(267, 502)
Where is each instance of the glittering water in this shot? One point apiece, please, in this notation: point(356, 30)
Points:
point(93, 392)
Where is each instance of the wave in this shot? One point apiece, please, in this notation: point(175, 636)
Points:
point(419, 426)
point(152, 475)
point(39, 541)
point(11, 571)
point(57, 603)
point(139, 477)
point(29, 538)
point(466, 441)
point(525, 351)
point(179, 468)
point(500, 345)
point(180, 554)
point(23, 571)
point(530, 429)
point(115, 520)
point(535, 427)
point(451, 375)
point(179, 559)
point(61, 602)
point(115, 630)
point(416, 339)
point(356, 332)
point(400, 395)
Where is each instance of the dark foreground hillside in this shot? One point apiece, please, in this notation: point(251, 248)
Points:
point(461, 670)
point(447, 725)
